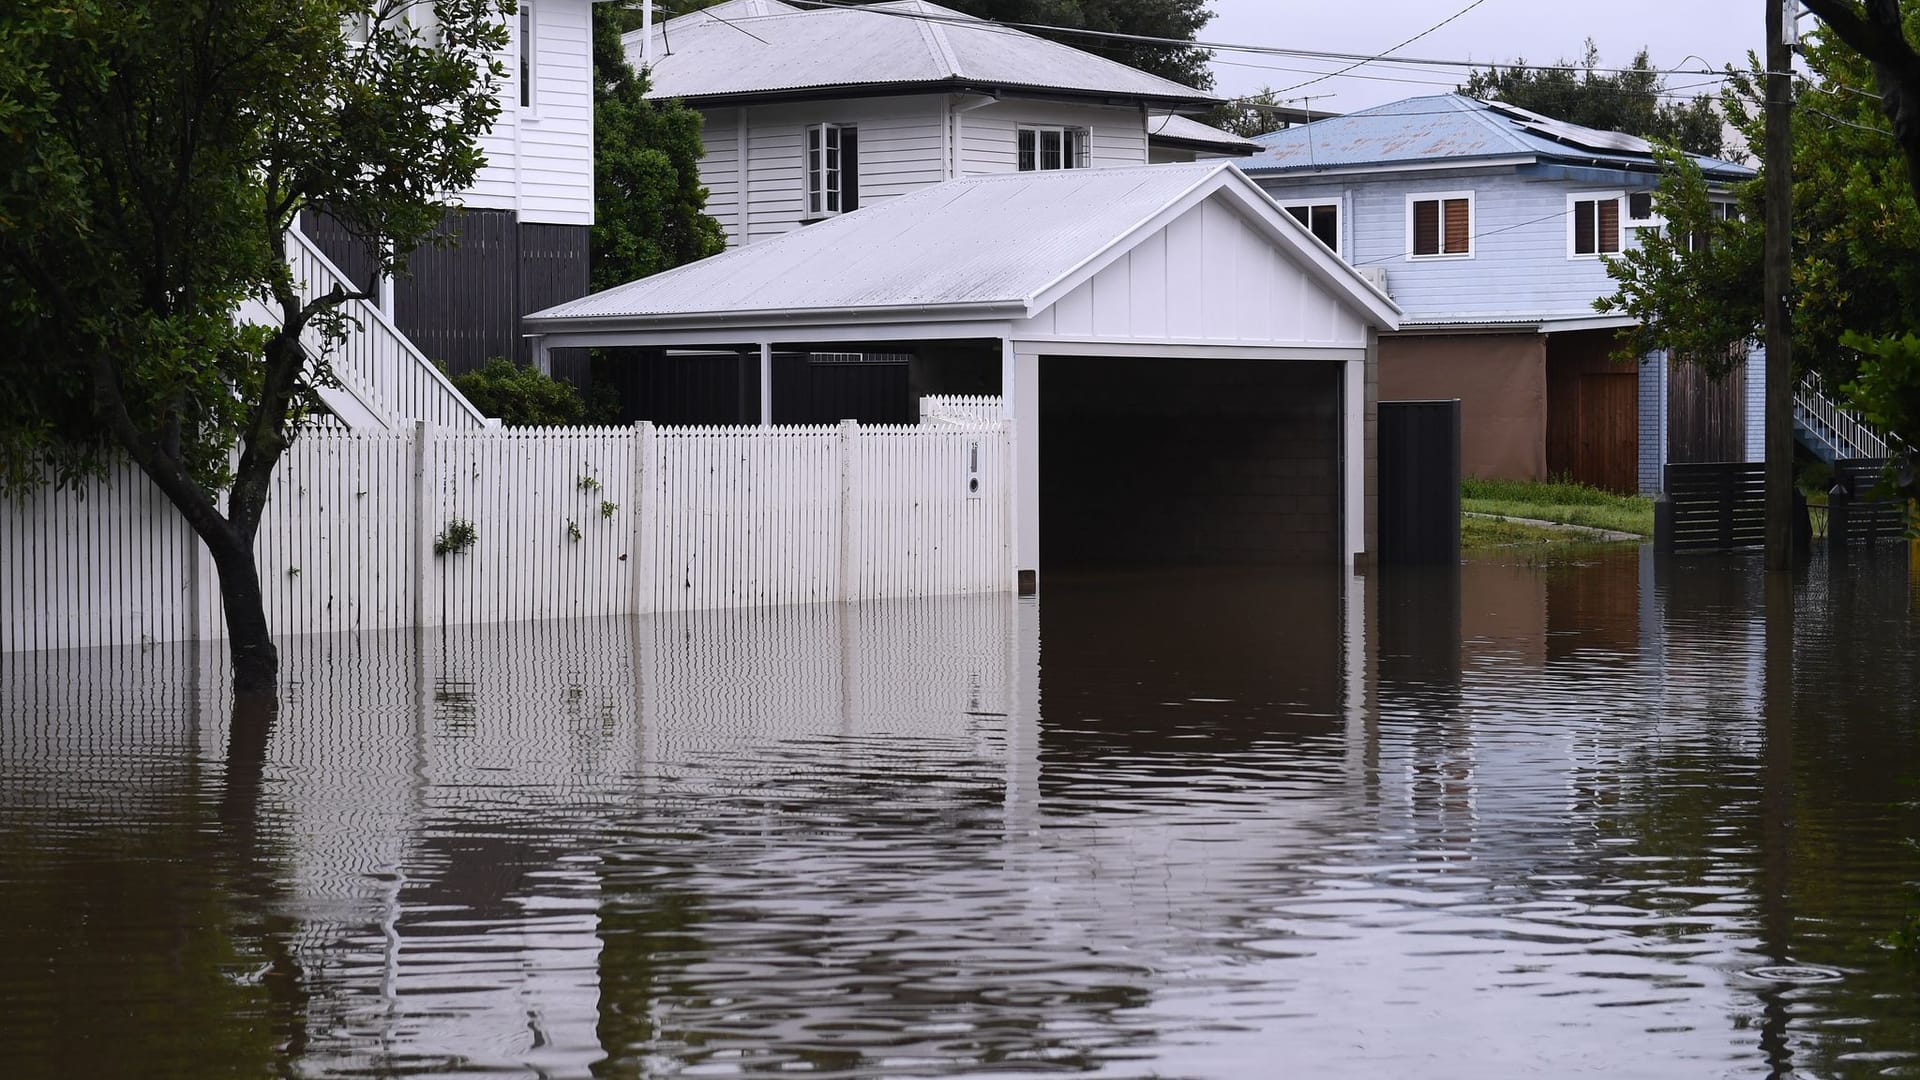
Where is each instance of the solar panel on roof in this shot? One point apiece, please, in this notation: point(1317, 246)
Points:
point(1560, 131)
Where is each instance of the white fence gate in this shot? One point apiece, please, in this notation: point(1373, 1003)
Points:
point(564, 523)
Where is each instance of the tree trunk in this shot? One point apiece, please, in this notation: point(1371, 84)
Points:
point(256, 662)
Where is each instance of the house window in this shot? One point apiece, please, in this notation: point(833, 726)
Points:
point(833, 169)
point(526, 54)
point(358, 27)
point(1440, 225)
point(1046, 148)
point(1321, 219)
point(1595, 225)
point(1722, 211)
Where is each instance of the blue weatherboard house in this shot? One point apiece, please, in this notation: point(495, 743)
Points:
point(1489, 226)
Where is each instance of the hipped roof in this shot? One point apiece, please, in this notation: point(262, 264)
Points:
point(764, 48)
point(1447, 129)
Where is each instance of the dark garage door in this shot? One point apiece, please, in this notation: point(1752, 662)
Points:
point(1151, 461)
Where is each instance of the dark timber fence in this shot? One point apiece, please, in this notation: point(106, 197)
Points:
point(1419, 482)
point(1722, 505)
point(1853, 517)
point(1712, 506)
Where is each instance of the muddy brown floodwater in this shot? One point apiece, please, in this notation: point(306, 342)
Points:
point(1608, 817)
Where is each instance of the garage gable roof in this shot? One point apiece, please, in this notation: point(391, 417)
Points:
point(1004, 246)
point(751, 48)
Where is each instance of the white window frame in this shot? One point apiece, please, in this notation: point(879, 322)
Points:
point(1339, 204)
point(1574, 199)
point(1442, 197)
point(1083, 146)
point(814, 182)
point(527, 52)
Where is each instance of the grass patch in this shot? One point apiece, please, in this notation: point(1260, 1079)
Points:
point(1559, 500)
point(1480, 533)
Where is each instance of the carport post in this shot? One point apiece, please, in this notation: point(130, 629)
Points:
point(1353, 430)
point(1020, 398)
point(766, 384)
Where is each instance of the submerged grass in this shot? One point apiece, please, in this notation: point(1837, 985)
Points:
point(1478, 533)
point(1559, 500)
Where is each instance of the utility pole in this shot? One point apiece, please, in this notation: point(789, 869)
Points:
point(1779, 274)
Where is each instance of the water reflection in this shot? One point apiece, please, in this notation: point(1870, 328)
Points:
point(1518, 820)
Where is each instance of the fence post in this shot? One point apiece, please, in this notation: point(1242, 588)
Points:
point(642, 572)
point(849, 430)
point(425, 611)
point(1838, 517)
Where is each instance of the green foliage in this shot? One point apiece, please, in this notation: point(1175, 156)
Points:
point(1887, 392)
point(573, 531)
point(1694, 284)
point(457, 536)
point(587, 483)
point(1177, 19)
point(648, 203)
point(1855, 231)
point(1629, 100)
point(608, 509)
point(523, 397)
point(1250, 116)
point(163, 148)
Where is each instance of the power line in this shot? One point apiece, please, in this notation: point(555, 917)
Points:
point(1394, 49)
point(1229, 46)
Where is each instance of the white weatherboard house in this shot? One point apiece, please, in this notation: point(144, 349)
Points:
point(1490, 225)
point(813, 111)
point(521, 229)
point(1187, 370)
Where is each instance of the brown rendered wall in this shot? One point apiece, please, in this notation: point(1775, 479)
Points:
point(1501, 381)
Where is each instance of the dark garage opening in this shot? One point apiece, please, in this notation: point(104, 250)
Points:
point(1177, 462)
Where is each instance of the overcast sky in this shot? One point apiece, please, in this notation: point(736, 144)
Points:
point(1717, 31)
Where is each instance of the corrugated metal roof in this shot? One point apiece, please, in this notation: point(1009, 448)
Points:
point(984, 240)
point(756, 48)
point(1452, 128)
point(1172, 127)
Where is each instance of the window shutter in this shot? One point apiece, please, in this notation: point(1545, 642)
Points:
point(1426, 227)
point(1610, 225)
point(849, 168)
point(1583, 227)
point(1459, 227)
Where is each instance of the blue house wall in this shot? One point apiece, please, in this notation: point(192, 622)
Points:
point(1520, 269)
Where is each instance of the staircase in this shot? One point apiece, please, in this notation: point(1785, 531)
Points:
point(1829, 430)
point(386, 383)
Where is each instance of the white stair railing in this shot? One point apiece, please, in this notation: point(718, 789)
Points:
point(1849, 436)
point(376, 364)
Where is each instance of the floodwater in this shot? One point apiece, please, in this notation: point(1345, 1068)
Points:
point(1613, 817)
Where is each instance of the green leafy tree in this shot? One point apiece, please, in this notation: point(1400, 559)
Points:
point(158, 151)
point(1179, 20)
point(1881, 36)
point(1250, 116)
point(1630, 101)
point(648, 203)
point(1697, 286)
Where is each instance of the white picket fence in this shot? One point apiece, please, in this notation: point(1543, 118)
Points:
point(566, 523)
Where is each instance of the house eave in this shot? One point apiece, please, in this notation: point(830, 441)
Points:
point(1260, 172)
point(752, 322)
point(1197, 103)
